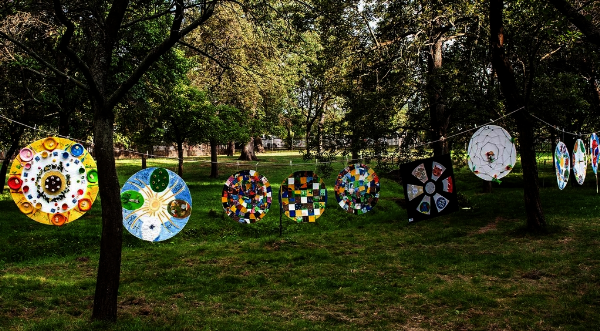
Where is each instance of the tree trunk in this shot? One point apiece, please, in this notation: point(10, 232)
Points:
point(144, 157)
point(214, 166)
point(535, 216)
point(180, 158)
point(16, 133)
point(247, 153)
point(231, 148)
point(111, 242)
point(439, 119)
point(258, 145)
point(320, 128)
point(486, 187)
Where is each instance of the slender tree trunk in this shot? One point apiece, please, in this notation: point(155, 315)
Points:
point(535, 216)
point(16, 133)
point(144, 157)
point(214, 166)
point(180, 158)
point(111, 242)
point(437, 109)
point(247, 153)
point(320, 133)
point(486, 187)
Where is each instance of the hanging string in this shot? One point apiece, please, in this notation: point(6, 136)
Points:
point(559, 129)
point(237, 164)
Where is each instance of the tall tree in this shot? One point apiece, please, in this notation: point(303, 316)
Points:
point(535, 216)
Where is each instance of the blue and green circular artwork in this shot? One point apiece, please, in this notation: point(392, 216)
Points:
point(156, 204)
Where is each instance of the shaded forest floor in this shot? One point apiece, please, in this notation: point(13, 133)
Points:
point(475, 269)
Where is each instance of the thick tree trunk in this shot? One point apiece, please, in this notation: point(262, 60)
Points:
point(16, 133)
point(180, 158)
point(486, 187)
point(231, 148)
point(247, 153)
point(214, 166)
point(439, 119)
point(258, 145)
point(111, 242)
point(535, 216)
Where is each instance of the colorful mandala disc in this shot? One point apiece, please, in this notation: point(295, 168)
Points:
point(579, 161)
point(303, 196)
point(246, 196)
point(156, 204)
point(357, 189)
point(51, 183)
point(562, 164)
point(594, 151)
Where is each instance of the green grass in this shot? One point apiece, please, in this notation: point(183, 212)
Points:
point(476, 269)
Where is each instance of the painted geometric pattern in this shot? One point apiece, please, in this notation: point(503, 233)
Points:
point(562, 164)
point(53, 181)
point(429, 187)
point(579, 161)
point(357, 189)
point(156, 203)
point(594, 151)
point(246, 196)
point(303, 196)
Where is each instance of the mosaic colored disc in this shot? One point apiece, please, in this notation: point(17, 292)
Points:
point(594, 151)
point(246, 196)
point(153, 211)
point(357, 189)
point(303, 196)
point(562, 164)
point(48, 182)
point(492, 153)
point(579, 161)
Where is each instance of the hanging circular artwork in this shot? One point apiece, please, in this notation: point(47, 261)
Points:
point(562, 164)
point(492, 153)
point(246, 196)
point(156, 204)
point(429, 187)
point(579, 161)
point(53, 180)
point(303, 196)
point(594, 151)
point(357, 189)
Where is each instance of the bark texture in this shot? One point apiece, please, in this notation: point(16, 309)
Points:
point(535, 217)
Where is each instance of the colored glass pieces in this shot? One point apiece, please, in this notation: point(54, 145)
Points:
point(357, 189)
point(594, 151)
point(492, 154)
point(49, 183)
point(303, 196)
point(562, 164)
point(428, 187)
point(154, 214)
point(246, 196)
point(579, 161)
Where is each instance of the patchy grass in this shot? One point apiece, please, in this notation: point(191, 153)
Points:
point(476, 269)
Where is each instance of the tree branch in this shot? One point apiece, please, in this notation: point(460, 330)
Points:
point(155, 53)
point(580, 21)
point(33, 54)
point(203, 53)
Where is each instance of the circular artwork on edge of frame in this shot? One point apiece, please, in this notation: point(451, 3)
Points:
point(594, 151)
point(303, 196)
point(156, 203)
point(53, 180)
point(246, 196)
point(562, 164)
point(357, 189)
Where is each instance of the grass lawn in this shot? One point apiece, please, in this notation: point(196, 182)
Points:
point(475, 269)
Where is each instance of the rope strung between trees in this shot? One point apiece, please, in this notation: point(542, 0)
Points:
point(291, 164)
